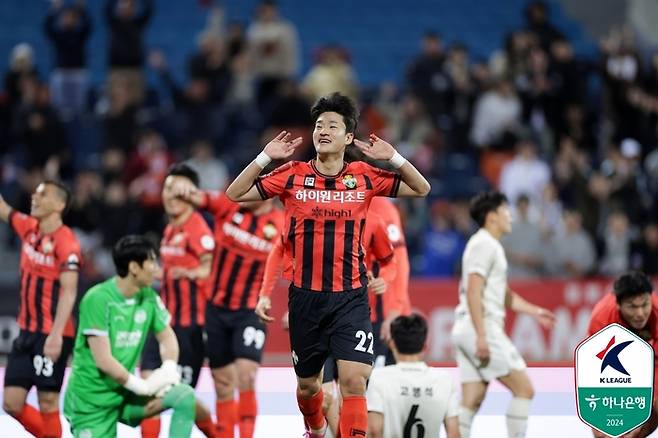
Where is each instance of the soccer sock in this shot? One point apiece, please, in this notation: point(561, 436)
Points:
point(465, 421)
point(151, 427)
point(517, 417)
point(354, 417)
point(181, 399)
point(207, 427)
point(311, 409)
point(51, 424)
point(227, 415)
point(247, 410)
point(31, 420)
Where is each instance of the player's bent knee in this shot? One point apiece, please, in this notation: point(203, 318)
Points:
point(180, 396)
point(353, 385)
point(12, 407)
point(308, 388)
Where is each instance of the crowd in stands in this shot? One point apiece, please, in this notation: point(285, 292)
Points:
point(570, 140)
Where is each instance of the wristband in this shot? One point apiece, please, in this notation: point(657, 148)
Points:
point(397, 160)
point(263, 160)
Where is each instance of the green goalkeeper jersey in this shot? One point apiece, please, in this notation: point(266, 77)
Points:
point(104, 311)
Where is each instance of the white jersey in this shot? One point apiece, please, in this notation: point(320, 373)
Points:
point(413, 398)
point(484, 255)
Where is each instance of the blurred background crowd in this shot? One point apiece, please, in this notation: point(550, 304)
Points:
point(570, 138)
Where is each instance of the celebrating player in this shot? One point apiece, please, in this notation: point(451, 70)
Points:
point(245, 233)
point(186, 254)
point(326, 202)
point(632, 305)
point(50, 260)
point(115, 318)
point(484, 352)
point(410, 396)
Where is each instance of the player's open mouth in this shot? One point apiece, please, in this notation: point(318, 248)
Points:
point(325, 141)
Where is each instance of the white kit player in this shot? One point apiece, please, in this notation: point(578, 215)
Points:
point(483, 350)
point(410, 399)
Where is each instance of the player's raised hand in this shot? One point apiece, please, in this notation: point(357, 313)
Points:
point(282, 146)
point(375, 148)
point(183, 188)
point(482, 350)
point(263, 309)
point(546, 318)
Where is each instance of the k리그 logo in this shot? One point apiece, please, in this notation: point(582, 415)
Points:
point(614, 380)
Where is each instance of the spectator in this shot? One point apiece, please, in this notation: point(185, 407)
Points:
point(524, 245)
point(409, 126)
point(274, 50)
point(210, 64)
point(119, 118)
point(525, 174)
point(126, 50)
point(572, 252)
point(536, 15)
point(332, 72)
point(616, 245)
point(21, 68)
point(425, 77)
point(443, 246)
point(68, 28)
point(645, 252)
point(460, 97)
point(213, 174)
point(497, 115)
point(39, 129)
point(512, 61)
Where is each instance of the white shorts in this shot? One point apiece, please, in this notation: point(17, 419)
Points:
point(504, 357)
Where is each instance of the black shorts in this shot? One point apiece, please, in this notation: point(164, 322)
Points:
point(233, 334)
point(324, 324)
point(191, 353)
point(330, 371)
point(27, 366)
point(383, 354)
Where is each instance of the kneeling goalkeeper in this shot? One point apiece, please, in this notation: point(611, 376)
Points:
point(115, 318)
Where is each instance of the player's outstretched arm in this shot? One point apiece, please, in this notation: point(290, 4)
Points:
point(413, 182)
point(474, 289)
point(107, 364)
point(5, 209)
point(242, 188)
point(199, 273)
point(516, 303)
point(168, 344)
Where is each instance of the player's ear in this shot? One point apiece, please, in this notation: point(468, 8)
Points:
point(349, 138)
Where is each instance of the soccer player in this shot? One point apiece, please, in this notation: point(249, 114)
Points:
point(410, 398)
point(326, 203)
point(396, 302)
point(186, 254)
point(115, 318)
point(484, 352)
point(633, 305)
point(245, 233)
point(50, 261)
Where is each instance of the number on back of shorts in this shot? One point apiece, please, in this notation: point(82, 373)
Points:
point(361, 346)
point(253, 336)
point(43, 366)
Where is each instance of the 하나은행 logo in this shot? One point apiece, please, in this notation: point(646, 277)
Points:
point(614, 380)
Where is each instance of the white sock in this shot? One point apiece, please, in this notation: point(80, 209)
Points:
point(465, 421)
point(328, 433)
point(517, 417)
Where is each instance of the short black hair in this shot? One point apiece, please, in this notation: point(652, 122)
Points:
point(184, 170)
point(485, 203)
point(337, 103)
point(631, 284)
point(131, 248)
point(63, 191)
point(409, 333)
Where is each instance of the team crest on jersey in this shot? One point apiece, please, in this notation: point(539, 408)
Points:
point(178, 239)
point(269, 231)
point(349, 181)
point(207, 242)
point(47, 246)
point(237, 218)
point(140, 316)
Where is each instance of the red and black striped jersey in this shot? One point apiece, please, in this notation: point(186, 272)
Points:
point(325, 220)
point(182, 246)
point(43, 259)
point(389, 213)
point(243, 242)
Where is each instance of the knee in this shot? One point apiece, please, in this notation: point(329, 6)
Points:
point(224, 386)
point(49, 405)
point(526, 392)
point(180, 397)
point(247, 380)
point(308, 388)
point(353, 385)
point(12, 407)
